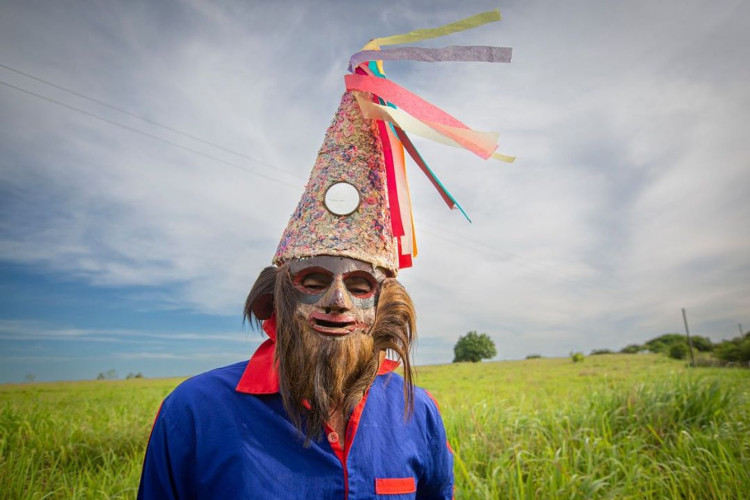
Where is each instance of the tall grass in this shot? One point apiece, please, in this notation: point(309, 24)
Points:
point(672, 439)
point(670, 434)
point(75, 440)
point(611, 427)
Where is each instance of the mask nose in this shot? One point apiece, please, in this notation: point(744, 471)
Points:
point(337, 298)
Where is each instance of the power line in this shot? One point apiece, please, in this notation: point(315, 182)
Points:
point(145, 119)
point(491, 251)
point(476, 245)
point(146, 134)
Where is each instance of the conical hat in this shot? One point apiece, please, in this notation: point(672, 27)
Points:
point(344, 209)
point(357, 203)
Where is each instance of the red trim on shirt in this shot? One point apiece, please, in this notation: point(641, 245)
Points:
point(156, 417)
point(262, 377)
point(387, 366)
point(395, 485)
point(437, 405)
point(269, 326)
point(351, 431)
point(336, 446)
point(259, 377)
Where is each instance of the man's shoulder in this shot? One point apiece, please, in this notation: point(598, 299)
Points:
point(213, 384)
point(392, 384)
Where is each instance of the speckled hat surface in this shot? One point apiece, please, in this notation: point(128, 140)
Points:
point(351, 153)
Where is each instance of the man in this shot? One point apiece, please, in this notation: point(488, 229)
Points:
point(317, 411)
point(235, 432)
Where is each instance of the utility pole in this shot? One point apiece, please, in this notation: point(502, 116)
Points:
point(690, 342)
point(739, 325)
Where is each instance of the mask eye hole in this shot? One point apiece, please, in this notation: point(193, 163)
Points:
point(314, 282)
point(361, 285)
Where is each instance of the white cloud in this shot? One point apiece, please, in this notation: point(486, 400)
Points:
point(627, 201)
point(40, 331)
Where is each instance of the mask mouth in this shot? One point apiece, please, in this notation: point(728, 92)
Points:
point(334, 325)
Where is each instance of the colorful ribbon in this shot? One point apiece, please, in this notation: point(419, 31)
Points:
point(425, 34)
point(472, 53)
point(397, 111)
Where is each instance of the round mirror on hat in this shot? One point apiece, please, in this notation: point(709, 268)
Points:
point(341, 198)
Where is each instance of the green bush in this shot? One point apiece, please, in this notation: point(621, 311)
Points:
point(631, 349)
point(702, 344)
point(673, 344)
point(577, 357)
point(678, 351)
point(736, 350)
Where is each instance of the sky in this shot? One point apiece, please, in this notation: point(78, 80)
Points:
point(152, 153)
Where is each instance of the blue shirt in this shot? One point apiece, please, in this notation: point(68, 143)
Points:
point(225, 434)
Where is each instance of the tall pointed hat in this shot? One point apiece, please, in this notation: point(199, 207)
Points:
point(356, 203)
point(344, 210)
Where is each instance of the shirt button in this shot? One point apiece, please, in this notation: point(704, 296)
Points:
point(333, 437)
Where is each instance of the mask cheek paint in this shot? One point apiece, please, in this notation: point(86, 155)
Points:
point(364, 309)
point(368, 303)
point(309, 298)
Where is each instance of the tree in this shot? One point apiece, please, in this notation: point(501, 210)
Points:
point(110, 374)
point(631, 349)
point(703, 344)
point(474, 347)
point(665, 343)
point(678, 351)
point(736, 350)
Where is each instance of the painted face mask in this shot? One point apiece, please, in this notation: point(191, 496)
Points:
point(336, 294)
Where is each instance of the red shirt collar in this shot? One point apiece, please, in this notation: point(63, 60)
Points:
point(261, 376)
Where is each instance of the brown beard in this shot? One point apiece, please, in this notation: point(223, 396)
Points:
point(320, 375)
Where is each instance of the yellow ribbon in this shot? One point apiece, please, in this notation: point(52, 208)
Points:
point(426, 34)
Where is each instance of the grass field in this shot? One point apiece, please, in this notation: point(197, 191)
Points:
point(614, 426)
